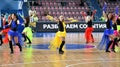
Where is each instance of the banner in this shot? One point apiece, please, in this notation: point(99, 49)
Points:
point(72, 27)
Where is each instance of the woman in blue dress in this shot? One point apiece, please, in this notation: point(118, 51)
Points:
point(108, 36)
point(13, 33)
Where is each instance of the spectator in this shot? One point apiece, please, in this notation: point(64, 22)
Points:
point(30, 12)
point(102, 18)
point(35, 18)
point(81, 3)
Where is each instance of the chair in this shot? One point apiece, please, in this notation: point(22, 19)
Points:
point(43, 3)
point(54, 13)
point(44, 8)
point(51, 4)
point(47, 4)
point(77, 13)
point(56, 9)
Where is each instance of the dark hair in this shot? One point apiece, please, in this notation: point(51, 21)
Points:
point(27, 22)
point(111, 16)
point(16, 15)
point(14, 29)
point(89, 13)
point(119, 15)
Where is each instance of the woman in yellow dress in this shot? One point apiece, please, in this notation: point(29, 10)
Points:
point(59, 39)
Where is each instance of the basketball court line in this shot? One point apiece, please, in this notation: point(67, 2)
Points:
point(89, 63)
point(100, 61)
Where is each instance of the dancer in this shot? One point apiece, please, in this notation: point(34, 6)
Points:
point(88, 19)
point(118, 27)
point(115, 33)
point(26, 23)
point(118, 23)
point(13, 33)
point(27, 32)
point(59, 40)
point(1, 41)
point(108, 36)
point(20, 28)
point(3, 21)
point(5, 30)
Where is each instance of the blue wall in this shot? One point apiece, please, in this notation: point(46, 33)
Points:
point(9, 4)
point(25, 9)
point(12, 6)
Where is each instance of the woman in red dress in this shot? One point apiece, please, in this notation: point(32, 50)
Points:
point(5, 30)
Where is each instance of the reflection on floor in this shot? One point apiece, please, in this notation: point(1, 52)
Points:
point(67, 46)
point(39, 56)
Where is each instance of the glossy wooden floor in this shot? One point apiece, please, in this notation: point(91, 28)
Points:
point(71, 58)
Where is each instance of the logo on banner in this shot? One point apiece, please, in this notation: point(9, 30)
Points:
point(99, 26)
point(73, 26)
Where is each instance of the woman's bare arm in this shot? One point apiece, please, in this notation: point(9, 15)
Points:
point(51, 18)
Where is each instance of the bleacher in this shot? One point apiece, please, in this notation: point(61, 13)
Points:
point(68, 8)
point(110, 5)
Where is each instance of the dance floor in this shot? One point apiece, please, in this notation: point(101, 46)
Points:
point(77, 53)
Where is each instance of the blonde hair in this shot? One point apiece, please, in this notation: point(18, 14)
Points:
point(61, 16)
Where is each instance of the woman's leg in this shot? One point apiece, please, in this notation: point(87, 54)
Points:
point(24, 36)
point(113, 45)
point(10, 44)
point(1, 41)
point(17, 43)
point(61, 46)
point(28, 40)
point(87, 35)
point(108, 46)
point(91, 38)
point(110, 42)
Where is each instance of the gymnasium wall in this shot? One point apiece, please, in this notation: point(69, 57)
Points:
point(9, 5)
